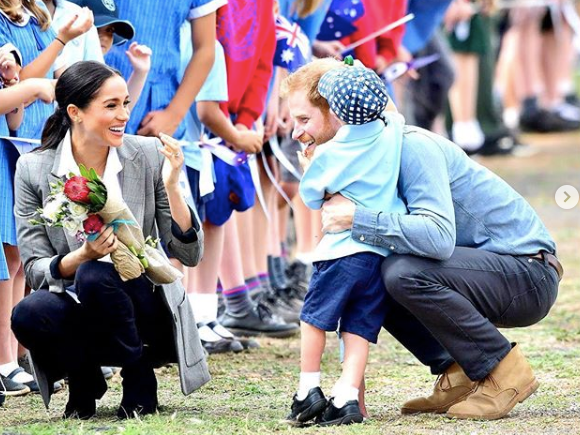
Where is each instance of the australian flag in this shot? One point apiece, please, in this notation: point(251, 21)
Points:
point(339, 19)
point(292, 45)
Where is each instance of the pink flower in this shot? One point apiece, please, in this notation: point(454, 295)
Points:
point(93, 224)
point(76, 189)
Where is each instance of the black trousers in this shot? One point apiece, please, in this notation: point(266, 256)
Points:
point(445, 311)
point(110, 326)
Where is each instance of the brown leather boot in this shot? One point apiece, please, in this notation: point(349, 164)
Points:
point(452, 387)
point(510, 382)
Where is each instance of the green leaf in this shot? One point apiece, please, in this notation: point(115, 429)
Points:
point(94, 176)
point(84, 171)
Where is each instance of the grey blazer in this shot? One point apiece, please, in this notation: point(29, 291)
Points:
point(143, 191)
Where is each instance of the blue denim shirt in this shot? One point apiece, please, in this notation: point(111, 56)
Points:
point(452, 201)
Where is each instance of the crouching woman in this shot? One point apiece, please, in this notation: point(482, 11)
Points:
point(82, 315)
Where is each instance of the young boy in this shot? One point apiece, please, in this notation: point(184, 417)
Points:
point(114, 31)
point(346, 290)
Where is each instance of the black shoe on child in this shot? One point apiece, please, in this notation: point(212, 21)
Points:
point(305, 410)
point(139, 390)
point(333, 416)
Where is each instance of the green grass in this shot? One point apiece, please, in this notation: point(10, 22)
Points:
point(251, 392)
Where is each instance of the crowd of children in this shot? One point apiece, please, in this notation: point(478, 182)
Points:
point(208, 69)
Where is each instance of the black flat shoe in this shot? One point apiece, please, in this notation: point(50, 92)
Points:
point(132, 411)
point(80, 410)
point(305, 410)
point(333, 416)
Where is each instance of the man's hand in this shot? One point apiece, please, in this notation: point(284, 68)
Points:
point(337, 214)
point(159, 121)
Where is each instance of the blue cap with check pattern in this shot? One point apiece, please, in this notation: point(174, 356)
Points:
point(356, 94)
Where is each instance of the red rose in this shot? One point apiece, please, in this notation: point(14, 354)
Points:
point(93, 224)
point(76, 189)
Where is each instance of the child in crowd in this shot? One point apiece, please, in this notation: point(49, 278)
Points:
point(346, 290)
point(111, 31)
point(13, 95)
point(166, 100)
point(201, 282)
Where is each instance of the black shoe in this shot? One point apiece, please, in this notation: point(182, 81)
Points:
point(139, 390)
point(85, 386)
point(278, 301)
point(80, 410)
point(305, 410)
point(257, 321)
point(544, 121)
point(333, 416)
point(298, 274)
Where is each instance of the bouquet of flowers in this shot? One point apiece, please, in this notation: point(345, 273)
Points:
point(81, 205)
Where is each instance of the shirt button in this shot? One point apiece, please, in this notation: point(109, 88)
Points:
point(530, 260)
point(362, 238)
point(392, 248)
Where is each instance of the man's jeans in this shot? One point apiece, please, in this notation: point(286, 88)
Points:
point(445, 311)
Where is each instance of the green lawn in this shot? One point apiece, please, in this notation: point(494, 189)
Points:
point(251, 392)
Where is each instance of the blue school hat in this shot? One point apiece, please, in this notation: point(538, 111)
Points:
point(234, 190)
point(356, 94)
point(106, 13)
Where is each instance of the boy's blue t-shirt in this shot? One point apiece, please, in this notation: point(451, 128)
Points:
point(362, 163)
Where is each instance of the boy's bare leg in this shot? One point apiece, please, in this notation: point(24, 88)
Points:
point(356, 352)
point(312, 342)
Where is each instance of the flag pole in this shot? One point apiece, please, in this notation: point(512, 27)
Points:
point(373, 35)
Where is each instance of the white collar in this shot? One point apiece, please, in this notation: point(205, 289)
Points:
point(26, 15)
point(68, 164)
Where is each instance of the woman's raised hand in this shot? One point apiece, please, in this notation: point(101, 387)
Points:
point(106, 243)
point(173, 159)
point(77, 25)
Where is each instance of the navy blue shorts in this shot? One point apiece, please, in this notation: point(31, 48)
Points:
point(349, 289)
point(200, 201)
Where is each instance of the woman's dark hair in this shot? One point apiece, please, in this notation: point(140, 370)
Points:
point(78, 85)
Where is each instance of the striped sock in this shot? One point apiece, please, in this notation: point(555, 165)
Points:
point(254, 286)
point(264, 280)
point(237, 299)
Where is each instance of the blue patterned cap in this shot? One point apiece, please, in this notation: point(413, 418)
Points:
point(356, 94)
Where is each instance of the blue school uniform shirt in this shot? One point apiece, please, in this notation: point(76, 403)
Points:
point(30, 41)
point(362, 163)
point(157, 25)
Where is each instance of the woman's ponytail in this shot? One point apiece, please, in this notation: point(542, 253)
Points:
point(54, 130)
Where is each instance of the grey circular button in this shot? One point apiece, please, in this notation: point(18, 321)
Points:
point(566, 197)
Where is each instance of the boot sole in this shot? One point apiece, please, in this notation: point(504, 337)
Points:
point(519, 398)
point(441, 410)
point(272, 334)
point(347, 419)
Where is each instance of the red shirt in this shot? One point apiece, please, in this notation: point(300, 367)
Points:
point(378, 14)
point(246, 30)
